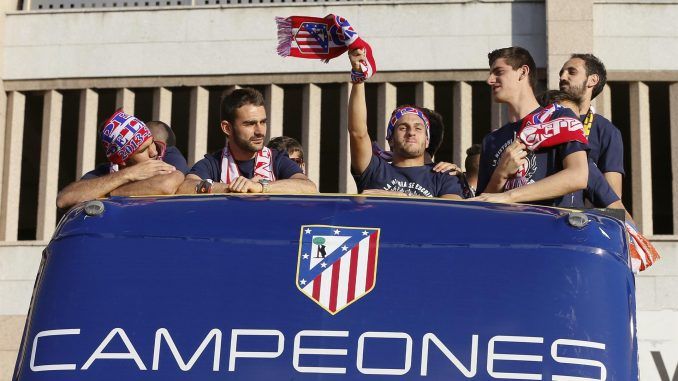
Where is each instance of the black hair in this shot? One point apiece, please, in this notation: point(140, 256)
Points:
point(593, 65)
point(238, 98)
point(516, 57)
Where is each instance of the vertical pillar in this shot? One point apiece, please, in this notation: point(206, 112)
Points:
point(197, 124)
point(462, 127)
point(3, 126)
point(603, 103)
point(569, 29)
point(11, 181)
point(310, 130)
point(346, 182)
point(641, 158)
point(125, 98)
point(386, 102)
point(162, 105)
point(425, 95)
point(275, 95)
point(87, 132)
point(498, 115)
point(673, 107)
point(49, 164)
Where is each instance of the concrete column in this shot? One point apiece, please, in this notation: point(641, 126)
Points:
point(603, 103)
point(425, 95)
point(125, 98)
point(11, 182)
point(197, 124)
point(49, 164)
point(462, 127)
point(569, 29)
point(346, 182)
point(386, 103)
point(310, 130)
point(274, 95)
point(162, 105)
point(498, 115)
point(641, 158)
point(673, 107)
point(3, 120)
point(87, 132)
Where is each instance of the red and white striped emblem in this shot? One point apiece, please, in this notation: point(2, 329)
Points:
point(337, 265)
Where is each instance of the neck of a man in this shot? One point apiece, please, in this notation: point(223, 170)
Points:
point(522, 104)
point(240, 154)
point(399, 161)
point(585, 104)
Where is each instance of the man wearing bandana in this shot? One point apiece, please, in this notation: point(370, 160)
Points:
point(584, 77)
point(134, 168)
point(540, 158)
point(408, 135)
point(245, 164)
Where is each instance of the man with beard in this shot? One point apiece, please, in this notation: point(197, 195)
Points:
point(584, 76)
point(245, 165)
point(540, 158)
point(408, 135)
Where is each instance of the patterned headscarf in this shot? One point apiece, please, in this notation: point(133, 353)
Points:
point(122, 135)
point(399, 113)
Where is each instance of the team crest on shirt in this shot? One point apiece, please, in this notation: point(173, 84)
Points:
point(337, 265)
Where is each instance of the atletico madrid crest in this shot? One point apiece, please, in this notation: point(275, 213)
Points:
point(337, 265)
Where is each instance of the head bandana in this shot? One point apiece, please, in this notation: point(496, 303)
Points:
point(122, 136)
point(399, 113)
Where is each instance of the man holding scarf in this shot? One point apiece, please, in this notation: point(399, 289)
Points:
point(408, 135)
point(134, 168)
point(539, 159)
point(584, 76)
point(245, 164)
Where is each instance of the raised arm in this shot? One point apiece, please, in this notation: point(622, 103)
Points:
point(360, 142)
point(89, 189)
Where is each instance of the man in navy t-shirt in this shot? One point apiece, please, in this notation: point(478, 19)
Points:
point(518, 169)
point(133, 168)
point(245, 165)
point(584, 77)
point(408, 136)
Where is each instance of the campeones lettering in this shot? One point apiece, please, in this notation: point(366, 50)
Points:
point(430, 344)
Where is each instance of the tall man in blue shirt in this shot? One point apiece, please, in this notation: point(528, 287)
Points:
point(584, 77)
point(513, 168)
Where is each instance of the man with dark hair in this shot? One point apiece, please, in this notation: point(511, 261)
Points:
point(471, 165)
point(584, 76)
point(165, 142)
point(437, 130)
point(408, 135)
point(245, 165)
point(134, 168)
point(540, 158)
point(290, 146)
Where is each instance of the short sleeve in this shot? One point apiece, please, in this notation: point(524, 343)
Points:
point(286, 168)
point(611, 150)
point(365, 179)
point(571, 147)
point(206, 169)
point(451, 185)
point(100, 170)
point(174, 157)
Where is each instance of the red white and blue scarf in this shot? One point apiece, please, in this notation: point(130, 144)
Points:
point(323, 38)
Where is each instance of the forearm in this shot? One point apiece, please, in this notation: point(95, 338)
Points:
point(559, 184)
point(360, 144)
point(191, 182)
point(156, 185)
point(496, 183)
point(292, 186)
point(85, 190)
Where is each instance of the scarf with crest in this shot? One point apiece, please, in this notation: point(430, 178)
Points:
point(323, 38)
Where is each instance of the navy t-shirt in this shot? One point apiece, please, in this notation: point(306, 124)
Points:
point(541, 163)
point(598, 191)
point(210, 166)
point(172, 156)
point(605, 142)
point(413, 181)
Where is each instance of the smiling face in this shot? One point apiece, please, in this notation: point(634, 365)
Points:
point(505, 81)
point(248, 129)
point(573, 78)
point(409, 139)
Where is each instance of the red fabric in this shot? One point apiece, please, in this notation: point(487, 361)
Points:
point(540, 130)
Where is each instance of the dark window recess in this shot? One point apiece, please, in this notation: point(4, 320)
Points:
point(660, 136)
